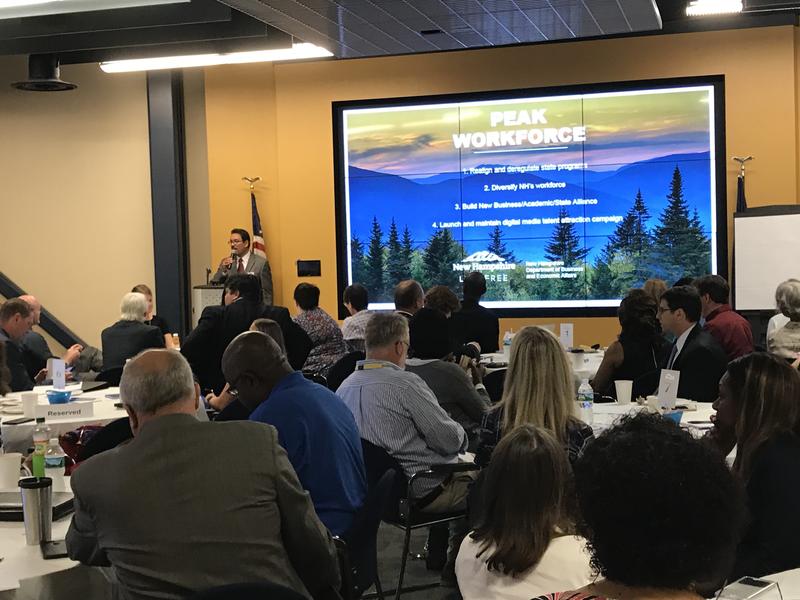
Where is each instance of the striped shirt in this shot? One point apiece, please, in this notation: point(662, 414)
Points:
point(396, 410)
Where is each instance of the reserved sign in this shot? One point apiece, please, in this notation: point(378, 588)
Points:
point(70, 410)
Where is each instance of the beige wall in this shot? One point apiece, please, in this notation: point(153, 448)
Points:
point(197, 176)
point(75, 193)
point(276, 121)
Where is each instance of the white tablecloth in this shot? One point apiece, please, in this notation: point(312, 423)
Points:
point(696, 418)
point(584, 364)
point(21, 561)
point(789, 582)
point(18, 438)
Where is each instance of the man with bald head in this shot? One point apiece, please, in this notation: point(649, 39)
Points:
point(314, 426)
point(409, 297)
point(185, 506)
point(35, 350)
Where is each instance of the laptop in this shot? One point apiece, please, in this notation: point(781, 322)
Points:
point(11, 505)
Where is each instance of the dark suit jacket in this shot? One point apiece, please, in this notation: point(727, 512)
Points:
point(173, 518)
point(125, 339)
point(256, 265)
point(35, 353)
point(20, 381)
point(475, 323)
point(217, 327)
point(702, 362)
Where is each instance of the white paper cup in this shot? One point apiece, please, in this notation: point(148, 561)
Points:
point(9, 470)
point(624, 388)
point(29, 402)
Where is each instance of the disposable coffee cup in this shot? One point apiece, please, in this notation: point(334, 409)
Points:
point(624, 389)
point(9, 470)
point(29, 402)
point(37, 509)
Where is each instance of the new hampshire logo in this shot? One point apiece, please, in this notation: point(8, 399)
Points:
point(484, 261)
point(484, 256)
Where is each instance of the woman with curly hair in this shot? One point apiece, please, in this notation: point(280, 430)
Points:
point(539, 389)
point(660, 511)
point(523, 544)
point(758, 410)
point(442, 298)
point(637, 351)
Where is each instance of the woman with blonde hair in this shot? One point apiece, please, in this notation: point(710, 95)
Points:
point(539, 389)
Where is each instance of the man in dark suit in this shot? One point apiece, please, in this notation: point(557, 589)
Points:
point(35, 351)
point(475, 323)
point(16, 319)
point(190, 505)
point(695, 353)
point(129, 336)
point(242, 260)
point(218, 325)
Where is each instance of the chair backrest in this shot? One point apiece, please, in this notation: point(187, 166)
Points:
point(377, 462)
point(316, 378)
point(362, 537)
point(248, 591)
point(110, 376)
point(110, 436)
point(494, 382)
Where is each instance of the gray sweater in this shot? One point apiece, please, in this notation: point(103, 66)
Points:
point(454, 390)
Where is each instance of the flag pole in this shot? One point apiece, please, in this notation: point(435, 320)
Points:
point(742, 160)
point(252, 181)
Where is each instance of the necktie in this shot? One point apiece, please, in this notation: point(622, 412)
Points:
point(240, 268)
point(672, 355)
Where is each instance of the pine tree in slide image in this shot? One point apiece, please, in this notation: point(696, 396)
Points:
point(396, 263)
point(498, 246)
point(680, 248)
point(442, 253)
point(357, 260)
point(566, 246)
point(373, 276)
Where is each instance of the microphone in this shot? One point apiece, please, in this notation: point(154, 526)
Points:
point(234, 258)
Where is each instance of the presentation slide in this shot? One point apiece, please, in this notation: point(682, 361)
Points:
point(560, 201)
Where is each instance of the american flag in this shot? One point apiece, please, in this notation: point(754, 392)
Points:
point(258, 234)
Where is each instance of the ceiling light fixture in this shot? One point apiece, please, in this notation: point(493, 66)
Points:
point(16, 3)
point(698, 8)
point(296, 52)
point(20, 9)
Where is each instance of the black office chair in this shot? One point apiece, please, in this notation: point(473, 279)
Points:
point(248, 591)
point(316, 378)
point(110, 376)
point(494, 382)
point(110, 436)
point(358, 547)
point(407, 514)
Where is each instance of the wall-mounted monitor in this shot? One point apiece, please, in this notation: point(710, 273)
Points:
point(565, 198)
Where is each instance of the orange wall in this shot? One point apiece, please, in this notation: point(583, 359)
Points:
point(275, 121)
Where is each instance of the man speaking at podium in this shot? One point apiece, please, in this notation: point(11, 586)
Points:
point(242, 260)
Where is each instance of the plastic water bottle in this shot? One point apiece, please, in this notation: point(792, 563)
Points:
point(508, 337)
point(586, 402)
point(54, 464)
point(41, 437)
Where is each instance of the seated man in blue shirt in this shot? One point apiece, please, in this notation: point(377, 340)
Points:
point(314, 426)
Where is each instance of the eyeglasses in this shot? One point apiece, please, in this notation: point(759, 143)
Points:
point(662, 309)
point(235, 242)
